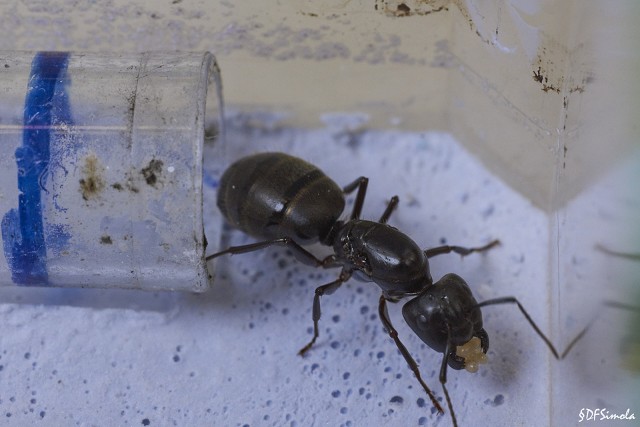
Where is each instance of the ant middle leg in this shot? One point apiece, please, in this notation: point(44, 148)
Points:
point(391, 206)
point(386, 322)
point(459, 249)
point(361, 184)
point(327, 289)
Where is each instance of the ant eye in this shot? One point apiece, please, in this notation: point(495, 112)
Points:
point(422, 319)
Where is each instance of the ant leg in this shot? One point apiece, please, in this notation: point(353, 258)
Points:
point(443, 375)
point(301, 254)
point(458, 249)
point(361, 184)
point(612, 304)
point(393, 203)
point(576, 339)
point(512, 300)
point(626, 255)
point(386, 322)
point(327, 289)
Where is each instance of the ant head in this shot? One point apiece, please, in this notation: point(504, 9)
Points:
point(446, 311)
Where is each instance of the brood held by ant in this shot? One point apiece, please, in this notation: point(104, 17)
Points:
point(286, 201)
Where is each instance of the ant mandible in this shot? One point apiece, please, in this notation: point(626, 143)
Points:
point(289, 202)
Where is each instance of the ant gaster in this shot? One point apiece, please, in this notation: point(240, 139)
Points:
point(289, 202)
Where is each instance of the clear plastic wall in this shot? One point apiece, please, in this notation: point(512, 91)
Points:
point(544, 93)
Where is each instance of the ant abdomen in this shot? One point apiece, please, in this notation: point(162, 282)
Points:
point(274, 195)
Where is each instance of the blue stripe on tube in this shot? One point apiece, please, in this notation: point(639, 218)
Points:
point(22, 229)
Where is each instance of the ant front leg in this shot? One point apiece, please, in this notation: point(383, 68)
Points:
point(606, 304)
point(626, 255)
point(386, 322)
point(547, 341)
point(327, 289)
point(443, 375)
point(459, 249)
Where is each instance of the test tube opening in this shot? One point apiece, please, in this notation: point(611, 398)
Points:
point(104, 168)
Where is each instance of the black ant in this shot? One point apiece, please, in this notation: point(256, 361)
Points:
point(290, 202)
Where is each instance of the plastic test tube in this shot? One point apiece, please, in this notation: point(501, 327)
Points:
point(101, 168)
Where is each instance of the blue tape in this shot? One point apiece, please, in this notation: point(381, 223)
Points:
point(23, 234)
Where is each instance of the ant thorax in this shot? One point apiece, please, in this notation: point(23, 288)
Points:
point(380, 253)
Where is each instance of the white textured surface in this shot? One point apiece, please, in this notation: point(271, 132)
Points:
point(228, 357)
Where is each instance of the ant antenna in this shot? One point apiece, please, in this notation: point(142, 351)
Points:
point(513, 300)
point(610, 304)
point(443, 376)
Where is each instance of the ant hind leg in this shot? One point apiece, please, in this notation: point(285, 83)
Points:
point(299, 252)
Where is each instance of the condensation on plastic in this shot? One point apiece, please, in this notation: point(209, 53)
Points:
point(102, 168)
